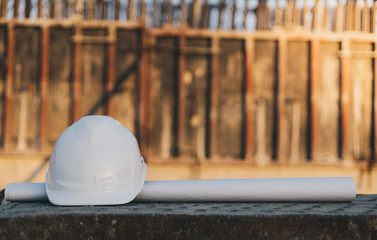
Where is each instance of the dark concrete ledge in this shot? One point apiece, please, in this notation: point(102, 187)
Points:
point(356, 220)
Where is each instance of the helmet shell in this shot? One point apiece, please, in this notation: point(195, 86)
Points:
point(96, 161)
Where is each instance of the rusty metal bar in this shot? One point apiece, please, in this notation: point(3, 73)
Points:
point(181, 95)
point(281, 86)
point(77, 75)
point(249, 63)
point(111, 58)
point(145, 97)
point(45, 56)
point(313, 83)
point(214, 84)
point(344, 98)
point(9, 88)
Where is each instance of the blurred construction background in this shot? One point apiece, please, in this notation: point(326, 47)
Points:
point(211, 88)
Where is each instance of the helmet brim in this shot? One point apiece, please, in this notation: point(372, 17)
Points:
point(67, 198)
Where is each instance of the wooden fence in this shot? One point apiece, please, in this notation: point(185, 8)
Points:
point(290, 92)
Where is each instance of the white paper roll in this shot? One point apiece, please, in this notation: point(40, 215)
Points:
point(251, 190)
point(337, 189)
point(26, 192)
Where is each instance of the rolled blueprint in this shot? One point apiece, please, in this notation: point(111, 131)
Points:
point(336, 189)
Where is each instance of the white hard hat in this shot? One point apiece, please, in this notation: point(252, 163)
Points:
point(96, 161)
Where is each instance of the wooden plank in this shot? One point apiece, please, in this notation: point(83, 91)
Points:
point(125, 94)
point(281, 85)
point(93, 94)
point(164, 104)
point(195, 79)
point(327, 104)
point(366, 18)
point(111, 68)
point(230, 131)
point(9, 88)
point(348, 17)
point(27, 8)
point(360, 102)
point(373, 18)
point(60, 83)
point(314, 78)
point(3, 74)
point(44, 81)
point(344, 99)
point(26, 111)
point(40, 8)
point(374, 110)
point(249, 63)
point(356, 17)
point(339, 17)
point(16, 5)
point(214, 94)
point(264, 100)
point(296, 109)
point(206, 14)
point(144, 95)
point(181, 94)
point(77, 76)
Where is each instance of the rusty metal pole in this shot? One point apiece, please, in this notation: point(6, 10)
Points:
point(344, 97)
point(111, 58)
point(281, 86)
point(9, 87)
point(249, 63)
point(213, 112)
point(181, 94)
point(77, 74)
point(314, 65)
point(45, 56)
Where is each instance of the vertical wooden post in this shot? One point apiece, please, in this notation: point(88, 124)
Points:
point(339, 17)
point(181, 93)
point(117, 9)
point(373, 18)
point(40, 8)
point(366, 18)
point(213, 112)
point(27, 8)
point(249, 63)
point(206, 13)
point(316, 20)
point(305, 12)
point(314, 75)
point(221, 7)
point(145, 93)
point(16, 5)
point(245, 13)
point(9, 88)
point(344, 97)
point(356, 17)
point(348, 16)
point(77, 74)
point(45, 57)
point(234, 10)
point(374, 104)
point(131, 11)
point(183, 14)
point(281, 82)
point(111, 69)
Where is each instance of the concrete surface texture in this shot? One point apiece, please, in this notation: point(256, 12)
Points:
point(355, 220)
